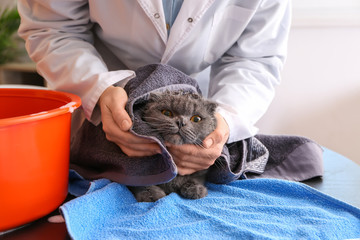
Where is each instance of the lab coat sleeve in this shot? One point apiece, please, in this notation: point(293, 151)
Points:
point(242, 81)
point(59, 39)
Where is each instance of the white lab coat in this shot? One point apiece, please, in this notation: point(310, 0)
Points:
point(243, 41)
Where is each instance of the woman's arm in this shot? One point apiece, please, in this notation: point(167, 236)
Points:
point(59, 39)
point(243, 80)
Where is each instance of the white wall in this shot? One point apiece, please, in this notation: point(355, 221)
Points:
point(7, 4)
point(320, 94)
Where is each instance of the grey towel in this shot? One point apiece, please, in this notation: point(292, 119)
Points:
point(94, 157)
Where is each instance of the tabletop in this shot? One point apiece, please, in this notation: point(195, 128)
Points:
point(341, 180)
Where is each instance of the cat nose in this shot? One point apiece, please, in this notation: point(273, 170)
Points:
point(180, 123)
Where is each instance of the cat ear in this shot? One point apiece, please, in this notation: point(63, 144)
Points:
point(153, 97)
point(211, 106)
point(196, 96)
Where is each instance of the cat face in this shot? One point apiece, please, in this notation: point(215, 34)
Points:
point(180, 118)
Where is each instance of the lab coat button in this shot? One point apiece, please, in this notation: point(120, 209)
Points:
point(156, 15)
point(190, 20)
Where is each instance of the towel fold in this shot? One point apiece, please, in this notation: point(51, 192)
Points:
point(246, 209)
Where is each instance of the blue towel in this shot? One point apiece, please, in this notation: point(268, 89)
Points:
point(244, 209)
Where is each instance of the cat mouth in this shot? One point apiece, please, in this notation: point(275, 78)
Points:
point(175, 138)
point(179, 136)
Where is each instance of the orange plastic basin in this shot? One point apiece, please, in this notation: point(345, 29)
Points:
point(34, 155)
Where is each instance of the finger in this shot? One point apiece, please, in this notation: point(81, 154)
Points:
point(185, 163)
point(129, 143)
point(213, 139)
point(188, 168)
point(191, 162)
point(185, 168)
point(219, 135)
point(146, 147)
point(185, 171)
point(117, 123)
point(134, 152)
point(193, 153)
point(208, 141)
point(132, 145)
point(119, 114)
point(185, 149)
point(112, 103)
point(128, 138)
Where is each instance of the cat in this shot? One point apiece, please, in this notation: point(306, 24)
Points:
point(179, 118)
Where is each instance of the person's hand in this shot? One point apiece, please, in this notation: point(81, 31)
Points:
point(116, 124)
point(190, 158)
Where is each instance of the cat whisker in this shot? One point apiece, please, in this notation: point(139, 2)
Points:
point(156, 132)
point(151, 118)
point(199, 144)
point(162, 125)
point(189, 135)
point(220, 164)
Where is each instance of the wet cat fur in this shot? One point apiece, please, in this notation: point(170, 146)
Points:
point(179, 118)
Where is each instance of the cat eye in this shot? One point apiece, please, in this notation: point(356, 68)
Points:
point(195, 118)
point(167, 113)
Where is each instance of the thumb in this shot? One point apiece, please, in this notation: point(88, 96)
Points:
point(120, 116)
point(208, 142)
point(112, 104)
point(124, 122)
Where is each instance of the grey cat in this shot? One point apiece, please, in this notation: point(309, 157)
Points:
point(179, 118)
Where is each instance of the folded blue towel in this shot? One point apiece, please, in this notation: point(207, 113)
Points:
point(244, 209)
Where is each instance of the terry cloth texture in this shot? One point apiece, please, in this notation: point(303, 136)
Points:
point(94, 157)
point(246, 209)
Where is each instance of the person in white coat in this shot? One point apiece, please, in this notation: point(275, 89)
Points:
point(86, 46)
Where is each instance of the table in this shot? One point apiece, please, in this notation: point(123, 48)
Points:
point(341, 180)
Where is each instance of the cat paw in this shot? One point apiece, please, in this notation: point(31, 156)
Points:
point(149, 194)
point(193, 190)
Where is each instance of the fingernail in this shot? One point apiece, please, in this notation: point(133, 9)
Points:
point(208, 143)
point(125, 125)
